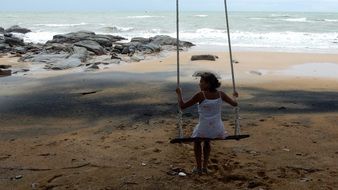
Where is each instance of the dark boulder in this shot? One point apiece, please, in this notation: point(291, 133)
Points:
point(58, 48)
point(72, 37)
point(17, 29)
point(167, 40)
point(204, 57)
point(80, 53)
point(102, 40)
point(141, 40)
point(20, 50)
point(14, 41)
point(2, 30)
point(91, 46)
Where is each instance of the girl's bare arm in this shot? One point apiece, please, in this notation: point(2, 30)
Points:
point(195, 99)
point(229, 100)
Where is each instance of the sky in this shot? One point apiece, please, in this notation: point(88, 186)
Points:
point(169, 5)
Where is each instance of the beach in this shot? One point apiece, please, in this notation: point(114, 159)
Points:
point(110, 128)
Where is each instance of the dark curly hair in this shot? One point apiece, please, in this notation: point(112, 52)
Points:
point(211, 79)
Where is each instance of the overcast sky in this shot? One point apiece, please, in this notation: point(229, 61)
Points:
point(153, 5)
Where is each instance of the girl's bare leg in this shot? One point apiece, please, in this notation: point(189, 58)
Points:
point(198, 154)
point(206, 153)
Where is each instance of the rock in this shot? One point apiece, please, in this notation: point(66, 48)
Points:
point(105, 60)
point(17, 29)
point(203, 57)
point(141, 40)
point(80, 53)
point(58, 48)
point(14, 41)
point(20, 50)
point(2, 30)
point(167, 40)
point(3, 46)
point(114, 56)
point(150, 48)
point(282, 108)
point(256, 73)
point(137, 58)
point(94, 66)
point(64, 64)
point(72, 37)
point(91, 46)
point(5, 72)
point(5, 66)
point(20, 71)
point(182, 174)
point(44, 58)
point(102, 40)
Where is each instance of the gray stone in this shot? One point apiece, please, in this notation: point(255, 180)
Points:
point(94, 66)
point(14, 41)
point(167, 40)
point(137, 58)
point(91, 46)
point(2, 30)
point(141, 40)
point(103, 41)
point(58, 48)
point(5, 66)
point(80, 53)
point(64, 64)
point(125, 50)
point(17, 29)
point(72, 37)
point(3, 46)
point(21, 50)
point(44, 58)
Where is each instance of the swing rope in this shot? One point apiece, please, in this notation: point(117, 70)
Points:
point(237, 123)
point(179, 112)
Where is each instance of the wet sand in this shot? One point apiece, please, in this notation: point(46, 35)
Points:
point(110, 129)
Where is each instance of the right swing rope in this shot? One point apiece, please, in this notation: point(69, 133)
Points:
point(237, 118)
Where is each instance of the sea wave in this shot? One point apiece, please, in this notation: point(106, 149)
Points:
point(115, 29)
point(144, 16)
point(63, 25)
point(201, 15)
point(302, 19)
point(331, 20)
point(38, 37)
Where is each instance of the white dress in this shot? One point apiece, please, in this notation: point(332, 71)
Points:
point(210, 123)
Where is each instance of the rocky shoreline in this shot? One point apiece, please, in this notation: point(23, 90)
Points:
point(81, 49)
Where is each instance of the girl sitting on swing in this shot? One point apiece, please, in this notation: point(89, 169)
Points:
point(210, 124)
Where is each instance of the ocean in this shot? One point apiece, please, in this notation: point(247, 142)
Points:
point(276, 31)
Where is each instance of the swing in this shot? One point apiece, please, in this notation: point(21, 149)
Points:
point(181, 139)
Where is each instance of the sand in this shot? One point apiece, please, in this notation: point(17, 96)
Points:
point(110, 129)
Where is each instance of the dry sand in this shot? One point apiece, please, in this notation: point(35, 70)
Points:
point(110, 129)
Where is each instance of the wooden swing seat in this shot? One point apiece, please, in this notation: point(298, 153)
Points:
point(191, 139)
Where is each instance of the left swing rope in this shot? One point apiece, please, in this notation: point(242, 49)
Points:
point(179, 110)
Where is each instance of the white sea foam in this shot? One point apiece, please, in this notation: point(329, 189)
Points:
point(330, 20)
point(38, 37)
point(201, 15)
point(118, 29)
point(303, 19)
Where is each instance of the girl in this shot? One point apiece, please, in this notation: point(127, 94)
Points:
point(210, 124)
